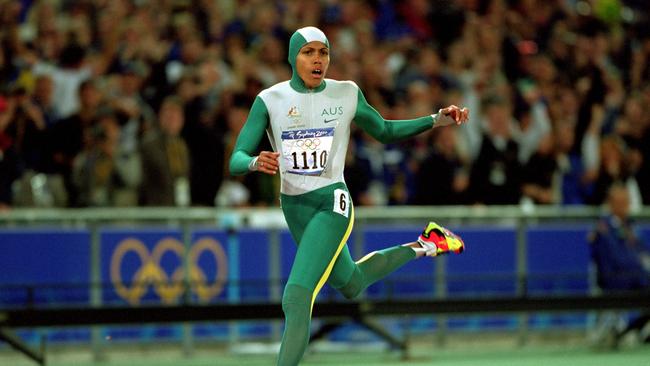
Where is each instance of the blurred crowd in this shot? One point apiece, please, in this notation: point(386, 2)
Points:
point(138, 102)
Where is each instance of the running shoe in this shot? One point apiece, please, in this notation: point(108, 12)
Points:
point(438, 240)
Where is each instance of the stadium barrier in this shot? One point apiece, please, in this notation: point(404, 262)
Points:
point(97, 234)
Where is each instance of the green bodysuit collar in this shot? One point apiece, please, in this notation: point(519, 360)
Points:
point(300, 38)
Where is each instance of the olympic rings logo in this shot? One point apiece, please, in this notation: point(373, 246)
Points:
point(168, 287)
point(306, 144)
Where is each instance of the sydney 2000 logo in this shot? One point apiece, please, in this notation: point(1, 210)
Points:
point(168, 285)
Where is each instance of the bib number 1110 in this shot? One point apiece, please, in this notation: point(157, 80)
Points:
point(304, 158)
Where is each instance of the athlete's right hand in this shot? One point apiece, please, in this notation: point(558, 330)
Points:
point(268, 162)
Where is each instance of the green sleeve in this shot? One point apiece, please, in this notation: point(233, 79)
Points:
point(249, 138)
point(387, 131)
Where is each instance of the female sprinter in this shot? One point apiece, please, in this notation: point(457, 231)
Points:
point(307, 120)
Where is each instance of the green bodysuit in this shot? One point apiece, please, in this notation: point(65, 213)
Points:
point(310, 128)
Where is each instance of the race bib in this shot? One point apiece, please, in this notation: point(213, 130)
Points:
point(341, 202)
point(306, 152)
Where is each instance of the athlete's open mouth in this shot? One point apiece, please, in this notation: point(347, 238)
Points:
point(317, 72)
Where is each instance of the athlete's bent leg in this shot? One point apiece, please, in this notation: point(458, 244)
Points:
point(352, 278)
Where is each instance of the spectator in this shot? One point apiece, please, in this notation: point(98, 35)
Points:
point(622, 259)
point(357, 176)
point(614, 170)
point(640, 67)
point(539, 174)
point(496, 172)
point(99, 175)
point(633, 126)
point(67, 76)
point(442, 177)
point(533, 118)
point(574, 187)
point(67, 138)
point(165, 159)
point(270, 51)
point(204, 139)
point(233, 192)
point(8, 156)
point(44, 99)
point(24, 126)
point(385, 169)
point(22, 137)
point(133, 112)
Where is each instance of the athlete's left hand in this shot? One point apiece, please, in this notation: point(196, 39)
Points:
point(451, 115)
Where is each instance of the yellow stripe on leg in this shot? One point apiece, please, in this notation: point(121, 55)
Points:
point(329, 267)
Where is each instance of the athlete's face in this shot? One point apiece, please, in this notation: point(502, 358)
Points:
point(312, 63)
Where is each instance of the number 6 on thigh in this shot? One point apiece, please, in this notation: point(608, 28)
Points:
point(341, 202)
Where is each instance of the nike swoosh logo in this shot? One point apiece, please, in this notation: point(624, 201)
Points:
point(330, 120)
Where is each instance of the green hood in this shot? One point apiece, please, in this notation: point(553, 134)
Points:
point(300, 38)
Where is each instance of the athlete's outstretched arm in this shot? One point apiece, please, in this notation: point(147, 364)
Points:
point(242, 160)
point(387, 131)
